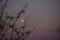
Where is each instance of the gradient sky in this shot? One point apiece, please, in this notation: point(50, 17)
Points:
point(44, 11)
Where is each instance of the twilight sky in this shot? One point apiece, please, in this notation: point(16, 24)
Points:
point(44, 11)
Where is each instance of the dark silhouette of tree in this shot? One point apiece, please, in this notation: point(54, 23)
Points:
point(4, 25)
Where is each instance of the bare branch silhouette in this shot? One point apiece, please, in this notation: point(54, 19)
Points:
point(10, 22)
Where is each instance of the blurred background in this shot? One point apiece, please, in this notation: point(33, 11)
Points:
point(47, 12)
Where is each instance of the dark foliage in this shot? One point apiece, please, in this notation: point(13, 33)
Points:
point(11, 26)
point(9, 17)
point(3, 24)
point(28, 32)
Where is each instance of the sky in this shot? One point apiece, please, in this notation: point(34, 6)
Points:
point(44, 11)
